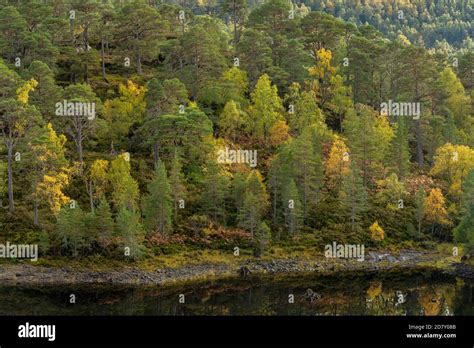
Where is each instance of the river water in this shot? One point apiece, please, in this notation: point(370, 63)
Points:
point(387, 293)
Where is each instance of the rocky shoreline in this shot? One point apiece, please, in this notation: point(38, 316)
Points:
point(28, 274)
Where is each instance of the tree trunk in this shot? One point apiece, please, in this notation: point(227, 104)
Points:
point(91, 196)
point(81, 154)
point(419, 144)
point(155, 152)
point(35, 220)
point(86, 73)
point(175, 210)
point(236, 39)
point(102, 52)
point(11, 205)
point(274, 204)
point(139, 63)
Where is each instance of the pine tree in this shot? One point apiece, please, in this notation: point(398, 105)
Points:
point(47, 93)
point(103, 222)
point(293, 209)
point(130, 230)
point(79, 127)
point(353, 195)
point(237, 9)
point(139, 30)
point(17, 118)
point(262, 239)
point(308, 168)
point(70, 228)
point(177, 185)
point(250, 215)
point(239, 185)
point(281, 170)
point(368, 136)
point(214, 194)
point(399, 153)
point(158, 203)
point(255, 203)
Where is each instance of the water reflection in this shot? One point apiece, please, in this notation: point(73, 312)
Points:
point(395, 293)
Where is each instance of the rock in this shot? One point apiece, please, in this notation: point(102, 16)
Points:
point(311, 296)
point(390, 258)
point(244, 271)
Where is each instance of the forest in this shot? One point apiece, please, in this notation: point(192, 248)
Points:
point(138, 128)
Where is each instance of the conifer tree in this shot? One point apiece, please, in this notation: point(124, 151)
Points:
point(255, 203)
point(281, 170)
point(293, 209)
point(353, 195)
point(307, 168)
point(157, 205)
point(214, 194)
point(399, 153)
point(177, 185)
point(368, 136)
point(130, 230)
point(262, 239)
point(70, 228)
point(98, 227)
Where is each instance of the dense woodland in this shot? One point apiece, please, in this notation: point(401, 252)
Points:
point(175, 83)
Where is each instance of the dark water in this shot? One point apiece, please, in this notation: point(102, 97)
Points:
point(394, 293)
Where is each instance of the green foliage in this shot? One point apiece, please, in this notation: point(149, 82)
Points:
point(353, 196)
point(214, 192)
point(293, 210)
point(157, 205)
point(130, 231)
point(464, 232)
point(265, 109)
point(70, 229)
point(304, 89)
point(255, 203)
point(125, 192)
point(398, 156)
point(262, 239)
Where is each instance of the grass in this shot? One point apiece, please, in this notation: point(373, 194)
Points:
point(191, 256)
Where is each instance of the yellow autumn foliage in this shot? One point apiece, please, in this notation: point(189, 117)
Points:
point(452, 163)
point(376, 232)
point(23, 92)
point(435, 211)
